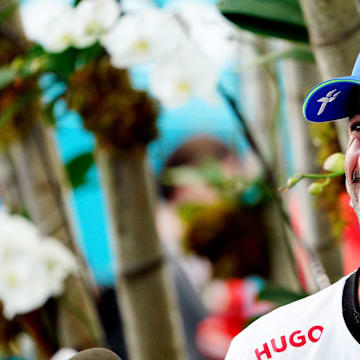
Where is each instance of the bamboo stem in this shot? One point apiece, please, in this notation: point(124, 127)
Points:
point(151, 321)
point(42, 186)
point(10, 183)
point(334, 28)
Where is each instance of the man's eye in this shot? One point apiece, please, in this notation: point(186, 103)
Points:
point(355, 127)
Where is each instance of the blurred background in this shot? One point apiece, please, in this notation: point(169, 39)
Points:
point(161, 142)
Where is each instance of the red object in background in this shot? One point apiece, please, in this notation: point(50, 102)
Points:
point(214, 334)
point(238, 300)
point(351, 235)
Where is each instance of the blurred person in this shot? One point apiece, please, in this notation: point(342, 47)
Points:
point(223, 207)
point(186, 187)
point(324, 325)
point(219, 243)
point(190, 272)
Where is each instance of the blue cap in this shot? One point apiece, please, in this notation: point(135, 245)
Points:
point(329, 100)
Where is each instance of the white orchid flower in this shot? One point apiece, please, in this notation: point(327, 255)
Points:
point(93, 19)
point(59, 263)
point(211, 31)
point(187, 73)
point(59, 35)
point(48, 23)
point(142, 36)
point(23, 286)
point(33, 269)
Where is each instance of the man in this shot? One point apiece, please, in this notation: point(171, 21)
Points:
point(325, 325)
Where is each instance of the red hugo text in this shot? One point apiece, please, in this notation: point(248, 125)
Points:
point(296, 339)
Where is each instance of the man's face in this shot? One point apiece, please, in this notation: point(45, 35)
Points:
point(352, 163)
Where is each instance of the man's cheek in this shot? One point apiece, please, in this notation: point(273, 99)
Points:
point(351, 158)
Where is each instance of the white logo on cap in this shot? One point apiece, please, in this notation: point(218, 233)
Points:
point(326, 99)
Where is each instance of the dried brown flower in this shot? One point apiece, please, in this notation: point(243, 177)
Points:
point(121, 117)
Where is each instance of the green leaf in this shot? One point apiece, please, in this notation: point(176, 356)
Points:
point(279, 296)
point(48, 111)
point(7, 76)
point(89, 54)
point(63, 64)
point(276, 18)
point(78, 168)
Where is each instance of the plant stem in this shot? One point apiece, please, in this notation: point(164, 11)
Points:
point(320, 176)
point(317, 268)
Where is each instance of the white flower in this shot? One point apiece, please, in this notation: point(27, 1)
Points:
point(23, 286)
point(214, 35)
point(13, 245)
point(59, 262)
point(48, 23)
point(64, 354)
point(32, 268)
point(142, 36)
point(174, 80)
point(36, 15)
point(93, 18)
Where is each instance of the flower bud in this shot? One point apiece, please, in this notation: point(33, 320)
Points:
point(335, 163)
point(292, 181)
point(315, 188)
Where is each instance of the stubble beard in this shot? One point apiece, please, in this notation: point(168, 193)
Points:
point(355, 197)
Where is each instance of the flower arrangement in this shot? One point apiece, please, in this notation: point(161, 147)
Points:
point(33, 270)
point(90, 47)
point(182, 63)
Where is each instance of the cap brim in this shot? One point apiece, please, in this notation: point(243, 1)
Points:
point(329, 100)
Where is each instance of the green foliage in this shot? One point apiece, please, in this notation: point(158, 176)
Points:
point(38, 60)
point(48, 111)
point(7, 76)
point(277, 18)
point(279, 296)
point(64, 64)
point(78, 167)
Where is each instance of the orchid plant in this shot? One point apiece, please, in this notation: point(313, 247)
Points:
point(33, 269)
point(101, 40)
point(334, 167)
point(170, 40)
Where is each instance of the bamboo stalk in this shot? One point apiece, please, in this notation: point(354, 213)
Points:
point(148, 304)
point(334, 28)
point(261, 88)
point(41, 186)
point(10, 183)
point(39, 168)
point(316, 227)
